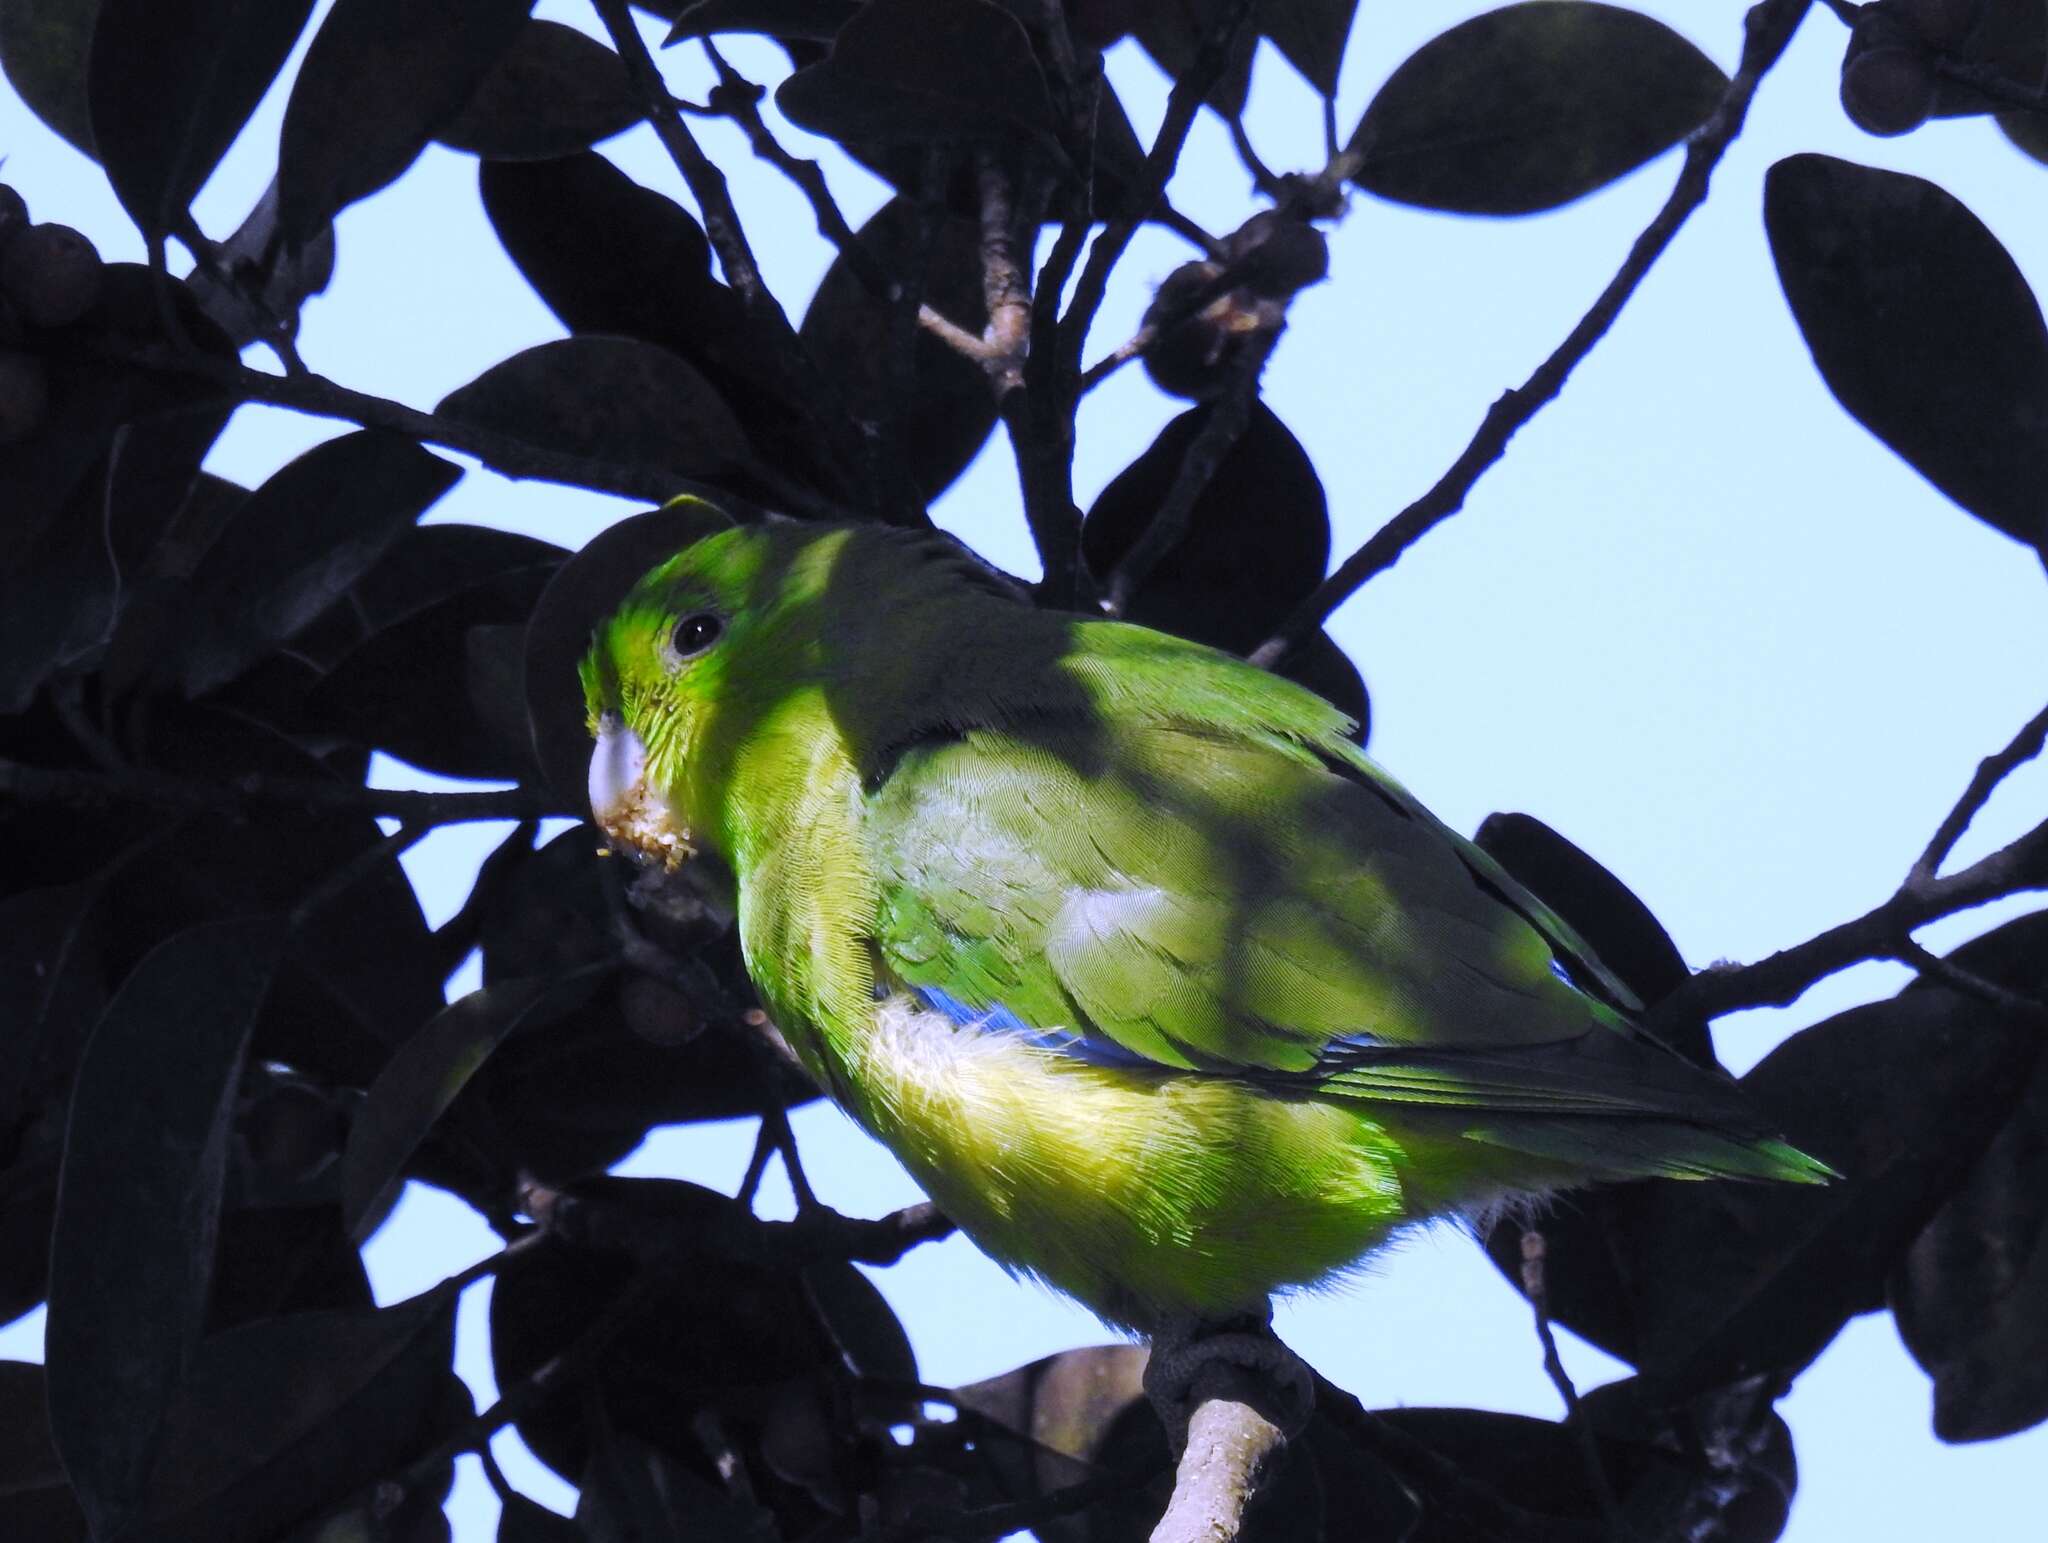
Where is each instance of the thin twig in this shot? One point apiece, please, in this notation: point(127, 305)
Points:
point(573, 1362)
point(1768, 28)
point(324, 398)
point(1536, 1287)
point(1991, 771)
point(700, 173)
point(739, 99)
point(1211, 446)
point(1946, 971)
point(1263, 176)
point(1990, 82)
point(1182, 103)
point(239, 795)
point(1877, 934)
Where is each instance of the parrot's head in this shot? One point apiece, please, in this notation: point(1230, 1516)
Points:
point(759, 652)
point(698, 650)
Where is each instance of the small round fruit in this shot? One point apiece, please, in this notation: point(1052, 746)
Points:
point(1276, 254)
point(1888, 90)
point(24, 396)
point(52, 274)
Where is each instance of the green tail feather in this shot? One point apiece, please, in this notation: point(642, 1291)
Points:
point(1618, 1149)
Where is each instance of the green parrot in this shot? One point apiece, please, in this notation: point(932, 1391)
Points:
point(1162, 990)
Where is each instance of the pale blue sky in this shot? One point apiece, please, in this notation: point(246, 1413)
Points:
point(1806, 649)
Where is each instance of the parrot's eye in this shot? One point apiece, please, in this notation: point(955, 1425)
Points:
point(694, 634)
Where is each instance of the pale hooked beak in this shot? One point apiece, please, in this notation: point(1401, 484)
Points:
point(630, 812)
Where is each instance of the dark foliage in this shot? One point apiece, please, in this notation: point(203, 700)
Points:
point(223, 1045)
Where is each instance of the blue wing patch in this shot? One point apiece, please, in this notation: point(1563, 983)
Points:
point(1095, 1050)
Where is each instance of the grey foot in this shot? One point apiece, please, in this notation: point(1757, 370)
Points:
point(1255, 1369)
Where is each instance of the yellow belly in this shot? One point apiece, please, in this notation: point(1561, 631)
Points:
point(1139, 1192)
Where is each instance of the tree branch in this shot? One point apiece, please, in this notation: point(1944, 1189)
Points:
point(1182, 103)
point(324, 398)
point(700, 173)
point(1879, 933)
point(1231, 1450)
point(739, 99)
point(190, 795)
point(587, 1220)
point(1768, 28)
point(1991, 771)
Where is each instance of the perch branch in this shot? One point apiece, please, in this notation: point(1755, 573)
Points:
point(1232, 1448)
point(239, 795)
point(1768, 28)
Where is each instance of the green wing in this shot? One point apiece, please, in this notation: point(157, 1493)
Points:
point(1199, 873)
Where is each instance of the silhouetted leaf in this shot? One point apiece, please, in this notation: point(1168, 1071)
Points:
point(1072, 1415)
point(299, 542)
point(139, 1200)
point(1700, 1284)
point(406, 690)
point(609, 256)
point(818, 19)
point(634, 1492)
point(1604, 911)
point(381, 79)
point(586, 590)
point(605, 254)
point(1258, 538)
point(43, 49)
point(36, 1503)
point(1971, 1295)
point(278, 1259)
point(429, 1071)
point(1650, 1460)
point(1173, 32)
point(924, 71)
point(1311, 34)
point(527, 1521)
point(1531, 106)
point(171, 83)
point(52, 987)
point(610, 399)
point(281, 1417)
point(1923, 327)
point(554, 92)
point(716, 1330)
point(938, 417)
point(25, 1221)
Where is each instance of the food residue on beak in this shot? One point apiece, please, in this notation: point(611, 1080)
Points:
point(626, 808)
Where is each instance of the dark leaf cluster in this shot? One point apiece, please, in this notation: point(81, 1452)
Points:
point(224, 1044)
